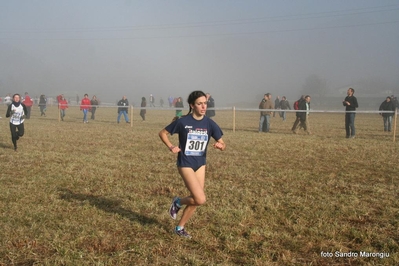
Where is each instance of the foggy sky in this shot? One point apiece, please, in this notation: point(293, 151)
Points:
point(236, 50)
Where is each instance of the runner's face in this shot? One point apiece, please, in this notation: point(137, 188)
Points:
point(16, 98)
point(199, 106)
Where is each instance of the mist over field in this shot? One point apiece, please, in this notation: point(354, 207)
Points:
point(235, 50)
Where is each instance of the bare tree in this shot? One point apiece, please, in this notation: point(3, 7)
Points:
point(315, 86)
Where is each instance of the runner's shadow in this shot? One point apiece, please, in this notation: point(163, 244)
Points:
point(107, 205)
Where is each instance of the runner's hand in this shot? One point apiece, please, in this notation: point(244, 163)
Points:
point(174, 149)
point(218, 145)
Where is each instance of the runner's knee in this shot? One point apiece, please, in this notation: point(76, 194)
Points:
point(200, 200)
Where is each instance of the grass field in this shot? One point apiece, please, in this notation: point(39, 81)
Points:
point(98, 193)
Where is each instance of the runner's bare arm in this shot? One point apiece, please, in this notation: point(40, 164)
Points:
point(163, 134)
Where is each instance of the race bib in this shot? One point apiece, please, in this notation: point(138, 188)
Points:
point(196, 144)
point(16, 116)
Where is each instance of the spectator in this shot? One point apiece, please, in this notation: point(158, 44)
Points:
point(276, 104)
point(59, 98)
point(123, 109)
point(43, 105)
point(152, 101)
point(350, 103)
point(211, 104)
point(62, 105)
point(28, 103)
point(16, 111)
point(161, 102)
point(394, 101)
point(170, 99)
point(85, 106)
point(387, 105)
point(284, 105)
point(298, 118)
point(94, 105)
point(143, 111)
point(179, 104)
point(264, 121)
point(304, 106)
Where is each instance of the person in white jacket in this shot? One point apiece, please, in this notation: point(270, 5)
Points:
point(17, 112)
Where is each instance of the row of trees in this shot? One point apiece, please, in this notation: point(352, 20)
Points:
point(318, 87)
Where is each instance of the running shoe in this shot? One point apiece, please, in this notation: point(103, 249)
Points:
point(174, 209)
point(182, 233)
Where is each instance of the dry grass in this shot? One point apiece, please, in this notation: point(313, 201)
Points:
point(98, 193)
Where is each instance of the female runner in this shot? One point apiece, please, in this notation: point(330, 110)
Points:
point(194, 130)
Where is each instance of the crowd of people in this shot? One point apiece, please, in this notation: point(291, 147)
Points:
point(302, 105)
point(20, 108)
point(90, 106)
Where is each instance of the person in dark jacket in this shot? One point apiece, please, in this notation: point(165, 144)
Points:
point(42, 105)
point(298, 119)
point(284, 105)
point(179, 104)
point(276, 105)
point(143, 111)
point(304, 107)
point(123, 109)
point(394, 101)
point(94, 105)
point(387, 105)
point(210, 104)
point(350, 104)
point(17, 112)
